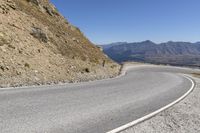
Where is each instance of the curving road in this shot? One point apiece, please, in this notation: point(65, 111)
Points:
point(92, 107)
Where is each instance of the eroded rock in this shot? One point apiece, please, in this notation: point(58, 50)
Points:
point(39, 34)
point(48, 10)
point(6, 6)
point(36, 2)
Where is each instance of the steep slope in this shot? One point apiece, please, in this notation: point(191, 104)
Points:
point(174, 53)
point(38, 46)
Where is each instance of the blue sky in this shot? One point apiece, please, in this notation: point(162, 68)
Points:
point(106, 21)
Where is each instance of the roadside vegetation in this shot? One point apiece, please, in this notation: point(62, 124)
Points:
point(196, 75)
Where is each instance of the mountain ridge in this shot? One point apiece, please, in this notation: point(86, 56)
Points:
point(173, 53)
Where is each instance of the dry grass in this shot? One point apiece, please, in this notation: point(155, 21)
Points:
point(196, 75)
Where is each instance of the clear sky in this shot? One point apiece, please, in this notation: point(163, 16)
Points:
point(106, 21)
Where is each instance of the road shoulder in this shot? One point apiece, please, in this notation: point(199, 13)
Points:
point(183, 117)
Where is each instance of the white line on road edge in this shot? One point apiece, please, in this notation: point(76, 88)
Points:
point(131, 124)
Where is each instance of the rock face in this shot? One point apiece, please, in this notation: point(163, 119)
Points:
point(34, 2)
point(38, 46)
point(174, 53)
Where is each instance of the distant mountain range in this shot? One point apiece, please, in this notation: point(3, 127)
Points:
point(173, 53)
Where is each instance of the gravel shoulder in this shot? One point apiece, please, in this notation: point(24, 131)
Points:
point(184, 117)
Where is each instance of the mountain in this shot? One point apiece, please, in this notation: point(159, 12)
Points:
point(173, 53)
point(39, 46)
point(104, 46)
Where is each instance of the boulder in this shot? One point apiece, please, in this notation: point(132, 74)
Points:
point(39, 34)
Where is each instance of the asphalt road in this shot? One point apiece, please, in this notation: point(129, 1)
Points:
point(91, 107)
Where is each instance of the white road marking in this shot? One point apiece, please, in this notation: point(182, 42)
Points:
point(131, 124)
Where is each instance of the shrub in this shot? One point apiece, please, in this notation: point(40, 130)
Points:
point(27, 65)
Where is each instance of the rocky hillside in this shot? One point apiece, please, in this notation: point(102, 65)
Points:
point(39, 46)
point(173, 53)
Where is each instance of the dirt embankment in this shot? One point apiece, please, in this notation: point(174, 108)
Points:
point(39, 46)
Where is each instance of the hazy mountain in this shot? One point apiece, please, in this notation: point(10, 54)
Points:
point(174, 53)
point(105, 46)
